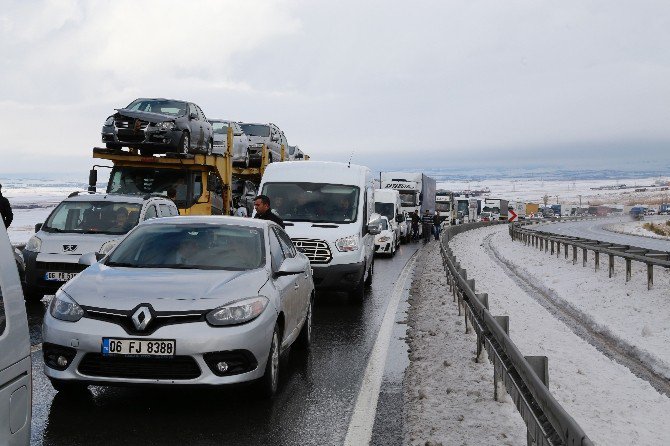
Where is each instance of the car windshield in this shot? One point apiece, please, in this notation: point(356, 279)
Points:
point(408, 198)
point(162, 106)
point(184, 186)
point(256, 130)
point(314, 202)
point(93, 217)
point(385, 209)
point(220, 128)
point(191, 246)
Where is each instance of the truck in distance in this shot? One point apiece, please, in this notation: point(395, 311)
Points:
point(417, 190)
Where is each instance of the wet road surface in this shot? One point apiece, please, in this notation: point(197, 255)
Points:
point(593, 229)
point(315, 401)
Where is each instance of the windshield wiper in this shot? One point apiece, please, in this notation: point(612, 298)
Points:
point(124, 264)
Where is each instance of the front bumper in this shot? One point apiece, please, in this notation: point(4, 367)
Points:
point(35, 276)
point(150, 138)
point(196, 343)
point(338, 277)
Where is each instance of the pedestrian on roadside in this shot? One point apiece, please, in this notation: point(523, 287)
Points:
point(264, 211)
point(5, 210)
point(436, 225)
point(426, 226)
point(415, 224)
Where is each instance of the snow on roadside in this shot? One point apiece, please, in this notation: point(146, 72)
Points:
point(636, 228)
point(612, 405)
point(449, 397)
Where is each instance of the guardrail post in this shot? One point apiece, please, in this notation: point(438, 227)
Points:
point(565, 245)
point(585, 256)
point(628, 270)
point(546, 245)
point(540, 365)
point(558, 249)
point(574, 254)
point(650, 275)
point(503, 321)
point(597, 260)
point(611, 265)
point(552, 247)
point(471, 284)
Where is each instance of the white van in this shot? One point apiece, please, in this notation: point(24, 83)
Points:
point(15, 364)
point(80, 224)
point(328, 210)
point(387, 204)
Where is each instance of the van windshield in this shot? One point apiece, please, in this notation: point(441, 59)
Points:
point(314, 202)
point(93, 217)
point(385, 209)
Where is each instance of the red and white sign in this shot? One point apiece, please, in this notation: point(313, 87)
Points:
point(512, 215)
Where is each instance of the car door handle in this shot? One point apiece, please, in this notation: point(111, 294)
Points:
point(296, 286)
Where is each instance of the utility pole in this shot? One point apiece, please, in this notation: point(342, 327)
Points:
point(580, 200)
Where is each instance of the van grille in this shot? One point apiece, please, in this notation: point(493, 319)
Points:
point(317, 251)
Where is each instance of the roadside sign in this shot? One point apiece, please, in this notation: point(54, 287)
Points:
point(512, 215)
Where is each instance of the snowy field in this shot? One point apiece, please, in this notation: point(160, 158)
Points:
point(449, 397)
point(636, 227)
point(613, 405)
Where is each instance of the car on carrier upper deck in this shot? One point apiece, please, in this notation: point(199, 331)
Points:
point(157, 125)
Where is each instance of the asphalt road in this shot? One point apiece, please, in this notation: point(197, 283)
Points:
point(593, 229)
point(313, 407)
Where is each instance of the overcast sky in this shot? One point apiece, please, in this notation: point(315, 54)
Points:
point(423, 83)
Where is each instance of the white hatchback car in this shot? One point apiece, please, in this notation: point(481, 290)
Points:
point(187, 300)
point(386, 241)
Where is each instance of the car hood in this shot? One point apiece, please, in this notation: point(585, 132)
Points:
point(165, 289)
point(72, 243)
point(145, 116)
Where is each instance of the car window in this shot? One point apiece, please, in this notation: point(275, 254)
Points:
point(193, 109)
point(201, 113)
point(286, 243)
point(276, 253)
point(151, 212)
point(165, 210)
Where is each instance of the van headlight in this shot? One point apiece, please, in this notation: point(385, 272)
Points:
point(346, 244)
point(64, 308)
point(34, 244)
point(108, 246)
point(239, 312)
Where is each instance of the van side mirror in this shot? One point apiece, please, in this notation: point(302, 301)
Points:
point(38, 226)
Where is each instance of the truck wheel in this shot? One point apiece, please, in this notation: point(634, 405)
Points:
point(358, 294)
point(32, 294)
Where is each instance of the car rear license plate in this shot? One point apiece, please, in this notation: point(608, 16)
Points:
point(138, 347)
point(59, 277)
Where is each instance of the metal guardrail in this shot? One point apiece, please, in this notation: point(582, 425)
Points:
point(526, 378)
point(549, 242)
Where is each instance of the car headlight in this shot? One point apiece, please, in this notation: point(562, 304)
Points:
point(108, 246)
point(64, 308)
point(166, 125)
point(347, 243)
point(34, 244)
point(109, 121)
point(238, 312)
point(383, 239)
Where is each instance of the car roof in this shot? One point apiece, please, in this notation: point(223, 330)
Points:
point(211, 219)
point(114, 198)
point(158, 99)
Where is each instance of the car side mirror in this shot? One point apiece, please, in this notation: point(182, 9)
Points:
point(290, 266)
point(375, 224)
point(38, 226)
point(193, 115)
point(88, 259)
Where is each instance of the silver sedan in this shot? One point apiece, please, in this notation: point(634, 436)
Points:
point(182, 300)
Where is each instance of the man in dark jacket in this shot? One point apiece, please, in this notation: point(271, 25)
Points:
point(426, 225)
point(5, 210)
point(264, 211)
point(415, 224)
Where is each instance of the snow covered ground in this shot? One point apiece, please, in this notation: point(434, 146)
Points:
point(636, 227)
point(613, 405)
point(449, 397)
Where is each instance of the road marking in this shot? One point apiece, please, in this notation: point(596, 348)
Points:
point(363, 418)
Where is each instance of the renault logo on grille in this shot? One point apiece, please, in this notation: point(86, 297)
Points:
point(141, 318)
point(69, 248)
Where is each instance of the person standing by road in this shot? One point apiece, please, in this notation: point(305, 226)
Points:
point(426, 225)
point(436, 225)
point(415, 224)
point(5, 210)
point(264, 211)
